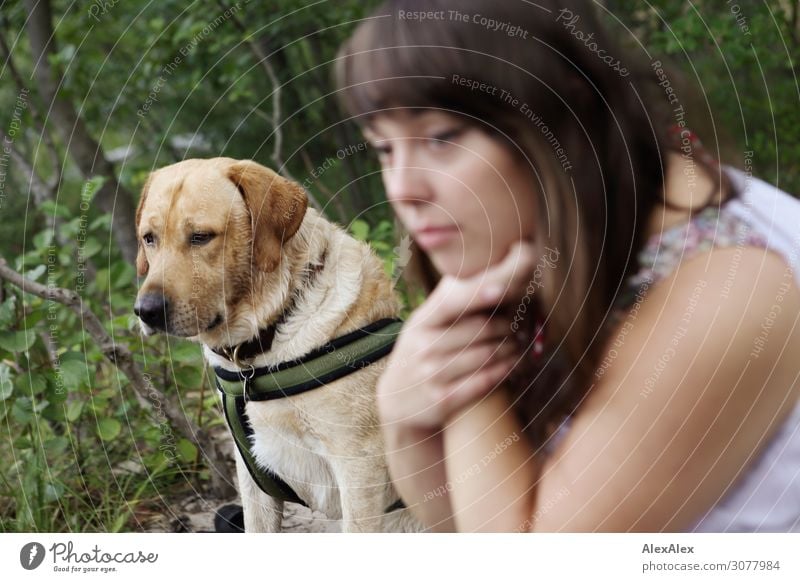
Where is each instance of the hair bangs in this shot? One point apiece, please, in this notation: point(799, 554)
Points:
point(391, 66)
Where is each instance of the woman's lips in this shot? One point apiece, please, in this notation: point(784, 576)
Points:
point(434, 237)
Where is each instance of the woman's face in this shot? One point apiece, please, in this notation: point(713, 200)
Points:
point(461, 193)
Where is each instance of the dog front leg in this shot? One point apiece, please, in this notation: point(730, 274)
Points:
point(361, 510)
point(363, 500)
point(262, 513)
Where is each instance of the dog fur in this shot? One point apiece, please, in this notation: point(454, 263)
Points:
point(326, 443)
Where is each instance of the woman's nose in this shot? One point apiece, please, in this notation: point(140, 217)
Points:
point(406, 182)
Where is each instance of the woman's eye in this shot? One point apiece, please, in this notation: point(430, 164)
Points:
point(382, 149)
point(200, 238)
point(444, 139)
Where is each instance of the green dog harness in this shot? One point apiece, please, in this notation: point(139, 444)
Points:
point(336, 359)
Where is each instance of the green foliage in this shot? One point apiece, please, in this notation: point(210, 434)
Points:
point(78, 451)
point(395, 255)
point(736, 65)
point(73, 425)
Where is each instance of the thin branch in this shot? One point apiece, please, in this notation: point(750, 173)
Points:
point(275, 119)
point(121, 357)
point(325, 190)
point(263, 60)
point(41, 190)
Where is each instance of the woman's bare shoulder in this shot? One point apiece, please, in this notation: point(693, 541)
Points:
point(696, 383)
point(737, 303)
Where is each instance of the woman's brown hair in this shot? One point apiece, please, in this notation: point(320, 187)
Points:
point(583, 115)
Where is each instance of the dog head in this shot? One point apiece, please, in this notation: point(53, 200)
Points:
point(205, 227)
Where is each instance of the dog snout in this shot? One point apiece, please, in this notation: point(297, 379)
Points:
point(152, 309)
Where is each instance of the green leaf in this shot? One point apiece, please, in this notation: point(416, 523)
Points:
point(53, 491)
point(108, 428)
point(106, 393)
point(73, 373)
point(186, 450)
point(101, 280)
point(51, 207)
point(8, 313)
point(184, 351)
point(38, 315)
point(56, 445)
point(31, 383)
point(22, 410)
point(42, 241)
point(359, 229)
point(91, 187)
point(98, 405)
point(17, 341)
point(122, 275)
point(57, 391)
point(6, 385)
point(65, 55)
point(119, 522)
point(54, 413)
point(36, 272)
point(74, 410)
point(188, 377)
point(22, 443)
point(91, 248)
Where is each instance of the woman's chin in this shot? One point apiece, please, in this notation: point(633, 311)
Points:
point(462, 264)
point(457, 265)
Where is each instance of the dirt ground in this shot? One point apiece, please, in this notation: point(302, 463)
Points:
point(196, 514)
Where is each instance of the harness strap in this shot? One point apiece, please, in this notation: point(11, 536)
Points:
point(336, 359)
point(267, 481)
point(332, 361)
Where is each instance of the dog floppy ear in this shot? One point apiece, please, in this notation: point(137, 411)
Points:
point(142, 265)
point(276, 205)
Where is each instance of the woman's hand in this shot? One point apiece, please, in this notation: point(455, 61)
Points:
point(456, 347)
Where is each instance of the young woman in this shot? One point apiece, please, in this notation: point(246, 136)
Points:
point(610, 336)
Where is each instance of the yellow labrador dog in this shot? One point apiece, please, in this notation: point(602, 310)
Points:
point(234, 259)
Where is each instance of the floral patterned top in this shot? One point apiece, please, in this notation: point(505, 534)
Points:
point(766, 496)
point(712, 227)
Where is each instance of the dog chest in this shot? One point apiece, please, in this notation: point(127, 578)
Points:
point(283, 445)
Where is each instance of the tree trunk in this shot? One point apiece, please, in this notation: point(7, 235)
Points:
point(83, 149)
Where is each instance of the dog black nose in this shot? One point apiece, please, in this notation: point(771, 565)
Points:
point(152, 308)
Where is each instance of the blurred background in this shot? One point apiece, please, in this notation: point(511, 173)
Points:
point(102, 430)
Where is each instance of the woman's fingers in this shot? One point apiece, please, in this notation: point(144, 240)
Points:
point(502, 283)
point(475, 357)
point(475, 386)
point(423, 396)
point(472, 329)
point(461, 342)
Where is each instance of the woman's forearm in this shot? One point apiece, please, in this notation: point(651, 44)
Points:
point(490, 467)
point(416, 466)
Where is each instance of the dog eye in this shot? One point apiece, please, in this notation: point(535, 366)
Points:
point(149, 239)
point(200, 238)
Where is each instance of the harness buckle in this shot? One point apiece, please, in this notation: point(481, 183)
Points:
point(235, 357)
point(247, 373)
